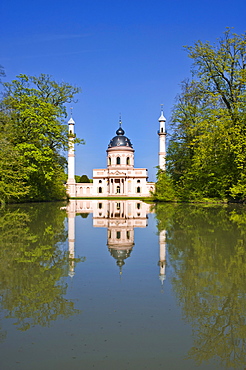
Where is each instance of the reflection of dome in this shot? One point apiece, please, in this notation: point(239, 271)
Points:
point(120, 139)
point(120, 254)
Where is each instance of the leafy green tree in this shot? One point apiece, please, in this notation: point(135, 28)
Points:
point(36, 108)
point(206, 156)
point(164, 189)
point(84, 178)
point(12, 173)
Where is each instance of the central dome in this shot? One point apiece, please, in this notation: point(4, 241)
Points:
point(120, 139)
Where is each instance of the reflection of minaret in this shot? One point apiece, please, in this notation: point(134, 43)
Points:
point(71, 240)
point(162, 261)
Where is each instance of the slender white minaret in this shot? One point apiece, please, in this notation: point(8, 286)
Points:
point(71, 159)
point(162, 141)
point(162, 261)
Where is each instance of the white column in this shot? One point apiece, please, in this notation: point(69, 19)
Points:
point(162, 142)
point(71, 160)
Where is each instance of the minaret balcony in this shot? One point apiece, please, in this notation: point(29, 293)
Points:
point(161, 132)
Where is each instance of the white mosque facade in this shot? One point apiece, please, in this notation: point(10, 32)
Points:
point(120, 178)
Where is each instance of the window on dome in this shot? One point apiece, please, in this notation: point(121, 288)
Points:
point(127, 160)
point(118, 189)
point(109, 161)
point(118, 160)
point(117, 234)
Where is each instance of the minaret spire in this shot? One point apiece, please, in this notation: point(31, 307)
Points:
point(162, 141)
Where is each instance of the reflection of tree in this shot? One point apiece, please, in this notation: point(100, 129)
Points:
point(207, 249)
point(32, 265)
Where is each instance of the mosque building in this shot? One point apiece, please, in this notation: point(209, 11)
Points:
point(120, 178)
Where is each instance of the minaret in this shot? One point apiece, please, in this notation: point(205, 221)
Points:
point(162, 141)
point(71, 159)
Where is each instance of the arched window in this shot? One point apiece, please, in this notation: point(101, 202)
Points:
point(109, 161)
point(127, 160)
point(118, 160)
point(100, 189)
point(100, 181)
point(118, 189)
point(138, 181)
point(138, 189)
point(117, 234)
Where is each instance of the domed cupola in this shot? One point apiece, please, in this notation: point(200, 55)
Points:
point(120, 152)
point(120, 139)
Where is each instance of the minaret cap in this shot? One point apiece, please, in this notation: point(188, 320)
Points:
point(162, 118)
point(71, 121)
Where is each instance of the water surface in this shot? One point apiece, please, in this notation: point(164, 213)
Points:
point(124, 285)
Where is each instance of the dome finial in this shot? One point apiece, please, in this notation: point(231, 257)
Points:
point(120, 122)
point(71, 112)
point(161, 108)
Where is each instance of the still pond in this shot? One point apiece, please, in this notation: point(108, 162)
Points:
point(123, 285)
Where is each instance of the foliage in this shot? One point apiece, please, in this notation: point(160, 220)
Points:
point(206, 155)
point(32, 114)
point(207, 253)
point(84, 178)
point(12, 173)
point(33, 264)
point(164, 189)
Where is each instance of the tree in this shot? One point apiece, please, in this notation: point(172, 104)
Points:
point(84, 178)
point(35, 107)
point(207, 156)
point(164, 189)
point(12, 173)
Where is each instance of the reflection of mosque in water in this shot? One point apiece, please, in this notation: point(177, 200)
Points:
point(120, 217)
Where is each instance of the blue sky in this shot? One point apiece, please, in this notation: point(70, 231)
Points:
point(127, 56)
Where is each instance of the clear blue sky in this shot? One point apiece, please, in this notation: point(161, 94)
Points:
point(127, 56)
